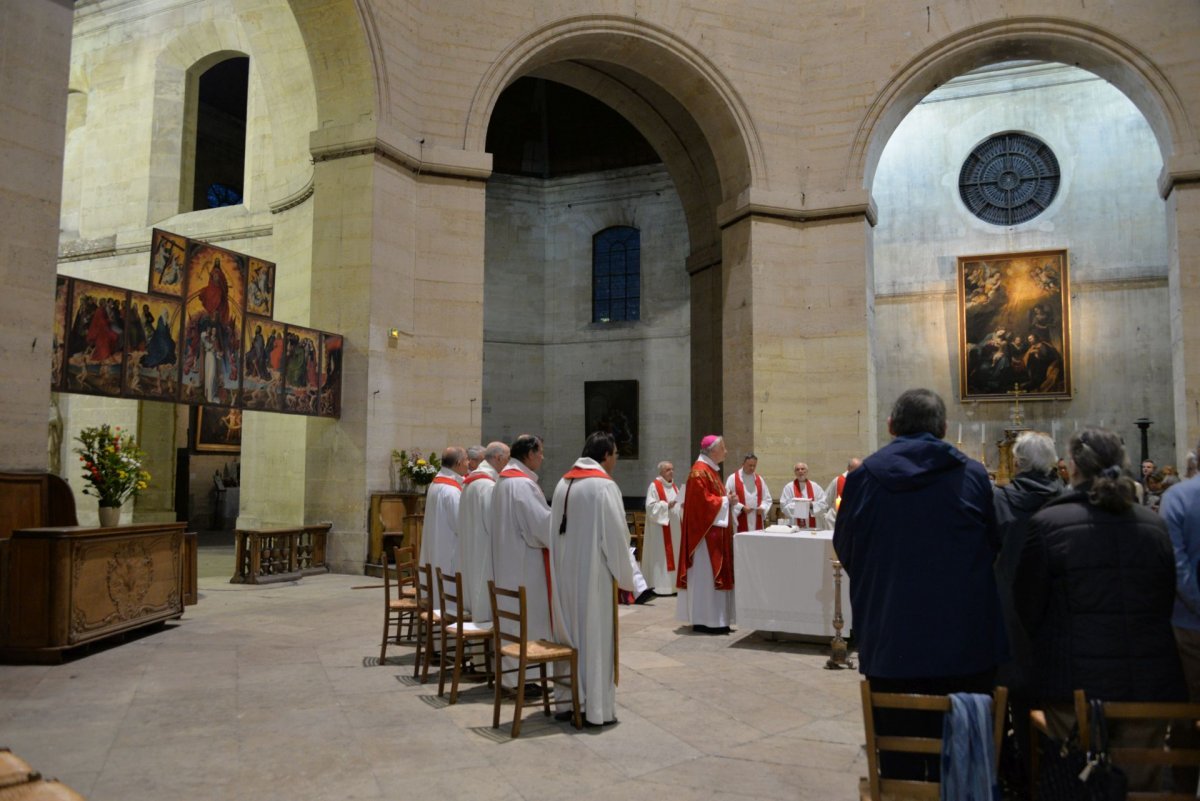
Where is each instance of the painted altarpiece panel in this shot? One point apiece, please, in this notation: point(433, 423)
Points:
point(167, 255)
point(301, 370)
point(152, 346)
point(262, 364)
point(95, 345)
point(212, 334)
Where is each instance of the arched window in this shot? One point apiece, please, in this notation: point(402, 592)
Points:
point(616, 274)
point(219, 135)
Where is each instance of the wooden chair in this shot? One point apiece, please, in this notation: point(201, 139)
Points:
point(637, 533)
point(537, 652)
point(429, 617)
point(464, 633)
point(403, 607)
point(877, 788)
point(1129, 756)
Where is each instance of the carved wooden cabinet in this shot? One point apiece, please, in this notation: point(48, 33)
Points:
point(70, 586)
point(396, 518)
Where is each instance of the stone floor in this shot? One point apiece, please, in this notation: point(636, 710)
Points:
point(276, 692)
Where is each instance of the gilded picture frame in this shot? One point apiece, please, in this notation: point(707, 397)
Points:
point(1014, 326)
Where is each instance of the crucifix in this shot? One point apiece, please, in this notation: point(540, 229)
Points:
point(1016, 417)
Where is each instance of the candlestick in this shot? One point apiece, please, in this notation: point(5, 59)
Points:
point(960, 432)
point(983, 433)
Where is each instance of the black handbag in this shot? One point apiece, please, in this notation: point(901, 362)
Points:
point(1068, 773)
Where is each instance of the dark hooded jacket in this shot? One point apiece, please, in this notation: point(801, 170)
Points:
point(1015, 504)
point(916, 533)
point(1095, 590)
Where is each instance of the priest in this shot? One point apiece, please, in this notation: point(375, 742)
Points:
point(833, 493)
point(520, 537)
point(750, 494)
point(660, 541)
point(705, 565)
point(439, 533)
point(589, 547)
point(802, 501)
point(475, 530)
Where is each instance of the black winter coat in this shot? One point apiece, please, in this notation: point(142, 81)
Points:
point(1095, 591)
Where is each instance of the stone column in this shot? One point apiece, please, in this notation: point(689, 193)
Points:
point(1183, 278)
point(798, 353)
point(36, 41)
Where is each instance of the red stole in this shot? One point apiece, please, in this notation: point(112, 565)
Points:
point(703, 497)
point(446, 480)
point(670, 549)
point(513, 472)
point(841, 485)
point(476, 477)
point(586, 472)
point(812, 520)
point(743, 523)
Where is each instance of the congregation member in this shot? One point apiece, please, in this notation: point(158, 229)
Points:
point(1095, 589)
point(475, 455)
point(520, 537)
point(1181, 512)
point(916, 534)
point(802, 501)
point(439, 533)
point(660, 540)
point(750, 494)
point(704, 578)
point(833, 492)
point(589, 548)
point(475, 531)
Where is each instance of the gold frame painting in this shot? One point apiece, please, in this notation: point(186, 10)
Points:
point(218, 430)
point(1014, 326)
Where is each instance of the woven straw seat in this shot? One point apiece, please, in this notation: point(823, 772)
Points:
point(40, 790)
point(400, 609)
point(539, 651)
point(459, 631)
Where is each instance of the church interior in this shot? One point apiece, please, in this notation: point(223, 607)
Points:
point(667, 219)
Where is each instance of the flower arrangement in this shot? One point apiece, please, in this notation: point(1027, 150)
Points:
point(112, 464)
point(416, 467)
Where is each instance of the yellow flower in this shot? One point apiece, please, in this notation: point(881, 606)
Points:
point(120, 474)
point(141, 485)
point(110, 449)
point(420, 463)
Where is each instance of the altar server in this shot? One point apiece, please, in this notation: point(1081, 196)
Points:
point(750, 494)
point(660, 540)
point(589, 545)
point(475, 531)
point(798, 491)
point(439, 535)
point(705, 565)
point(520, 536)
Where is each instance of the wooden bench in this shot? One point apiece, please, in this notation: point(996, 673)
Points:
point(279, 554)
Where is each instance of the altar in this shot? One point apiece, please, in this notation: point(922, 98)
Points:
point(784, 582)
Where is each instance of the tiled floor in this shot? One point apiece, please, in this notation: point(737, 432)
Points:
point(275, 692)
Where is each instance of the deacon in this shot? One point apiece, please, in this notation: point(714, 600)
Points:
point(803, 501)
point(520, 536)
point(833, 493)
point(660, 542)
point(705, 565)
point(750, 495)
point(589, 545)
point(439, 536)
point(475, 531)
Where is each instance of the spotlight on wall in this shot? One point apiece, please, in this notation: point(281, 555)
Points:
point(393, 337)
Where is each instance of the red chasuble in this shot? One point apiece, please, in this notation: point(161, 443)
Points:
point(703, 496)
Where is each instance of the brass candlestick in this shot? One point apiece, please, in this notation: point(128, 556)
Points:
point(839, 656)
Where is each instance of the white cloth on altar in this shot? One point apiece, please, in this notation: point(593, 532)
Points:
point(756, 507)
point(475, 542)
point(439, 535)
point(520, 531)
point(585, 559)
point(817, 502)
point(660, 513)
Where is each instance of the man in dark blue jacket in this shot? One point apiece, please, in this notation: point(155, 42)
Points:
point(917, 536)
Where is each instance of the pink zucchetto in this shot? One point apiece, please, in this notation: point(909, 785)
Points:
point(708, 441)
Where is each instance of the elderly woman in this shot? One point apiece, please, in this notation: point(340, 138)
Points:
point(1095, 589)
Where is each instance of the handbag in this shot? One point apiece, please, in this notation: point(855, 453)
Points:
point(1068, 773)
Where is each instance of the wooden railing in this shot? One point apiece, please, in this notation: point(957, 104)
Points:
point(279, 554)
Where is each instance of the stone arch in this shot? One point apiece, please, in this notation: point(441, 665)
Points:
point(1042, 38)
point(668, 90)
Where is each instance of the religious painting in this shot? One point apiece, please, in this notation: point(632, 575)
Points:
point(262, 364)
point(167, 254)
point(301, 370)
point(612, 406)
point(330, 404)
point(95, 354)
point(218, 430)
point(58, 343)
point(260, 288)
point(1014, 315)
point(212, 326)
point(152, 346)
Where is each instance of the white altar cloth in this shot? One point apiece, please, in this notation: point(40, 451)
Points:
point(784, 582)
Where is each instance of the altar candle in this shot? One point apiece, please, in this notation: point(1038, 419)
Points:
point(983, 433)
point(960, 432)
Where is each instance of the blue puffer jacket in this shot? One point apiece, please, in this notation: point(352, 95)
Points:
point(916, 533)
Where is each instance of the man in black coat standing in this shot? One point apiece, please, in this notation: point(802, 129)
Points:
point(917, 536)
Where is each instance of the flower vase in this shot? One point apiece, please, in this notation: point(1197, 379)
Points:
point(421, 488)
point(110, 516)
